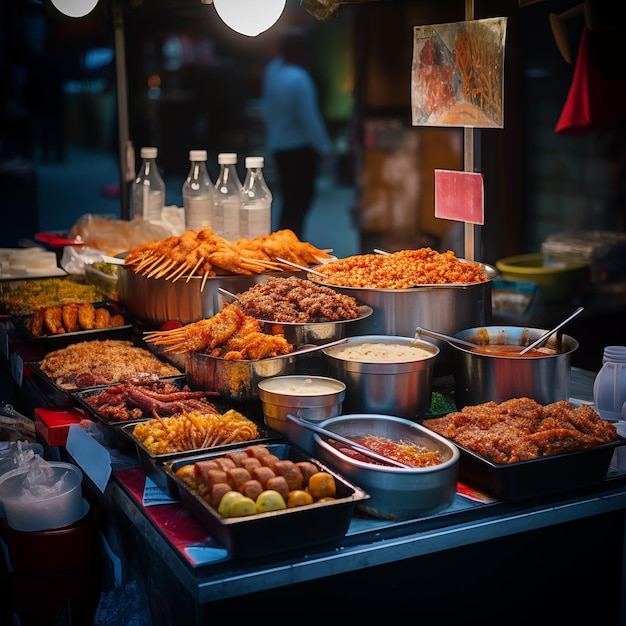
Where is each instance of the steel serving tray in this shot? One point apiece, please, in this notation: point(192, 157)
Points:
point(295, 529)
point(538, 477)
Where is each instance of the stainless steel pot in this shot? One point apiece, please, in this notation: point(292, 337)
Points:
point(480, 378)
point(444, 308)
point(401, 388)
point(154, 301)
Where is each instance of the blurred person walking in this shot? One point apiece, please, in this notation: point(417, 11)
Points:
point(296, 135)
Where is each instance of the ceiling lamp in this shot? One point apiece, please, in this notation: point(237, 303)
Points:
point(75, 8)
point(249, 17)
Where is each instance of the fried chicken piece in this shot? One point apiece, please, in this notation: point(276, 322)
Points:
point(102, 318)
point(53, 320)
point(36, 326)
point(86, 316)
point(70, 316)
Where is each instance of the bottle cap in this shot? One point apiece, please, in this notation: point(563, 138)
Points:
point(149, 153)
point(227, 158)
point(254, 161)
point(197, 155)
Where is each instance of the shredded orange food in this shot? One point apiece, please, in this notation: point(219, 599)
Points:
point(401, 270)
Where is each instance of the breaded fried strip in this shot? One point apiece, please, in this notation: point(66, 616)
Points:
point(102, 318)
point(37, 324)
point(70, 316)
point(86, 316)
point(53, 320)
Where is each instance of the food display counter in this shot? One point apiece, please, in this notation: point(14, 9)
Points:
point(478, 551)
point(560, 555)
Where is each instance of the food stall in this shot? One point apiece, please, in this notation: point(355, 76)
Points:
point(161, 557)
point(160, 560)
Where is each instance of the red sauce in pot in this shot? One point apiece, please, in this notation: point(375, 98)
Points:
point(512, 351)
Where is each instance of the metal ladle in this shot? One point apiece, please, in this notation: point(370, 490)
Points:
point(348, 442)
point(545, 336)
point(451, 340)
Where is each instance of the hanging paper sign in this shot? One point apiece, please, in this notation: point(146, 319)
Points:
point(457, 74)
point(459, 196)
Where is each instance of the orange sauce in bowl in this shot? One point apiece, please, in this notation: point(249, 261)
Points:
point(512, 351)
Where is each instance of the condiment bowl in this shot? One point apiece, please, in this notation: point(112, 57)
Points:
point(311, 398)
point(395, 493)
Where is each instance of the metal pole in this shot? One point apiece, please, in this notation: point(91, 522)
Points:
point(127, 168)
point(471, 163)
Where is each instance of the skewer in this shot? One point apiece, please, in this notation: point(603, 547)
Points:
point(300, 267)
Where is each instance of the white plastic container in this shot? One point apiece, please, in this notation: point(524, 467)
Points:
point(609, 387)
point(55, 502)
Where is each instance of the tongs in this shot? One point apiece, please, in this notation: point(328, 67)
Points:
point(348, 442)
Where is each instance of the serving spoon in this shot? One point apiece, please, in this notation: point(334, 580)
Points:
point(545, 336)
point(348, 442)
point(451, 340)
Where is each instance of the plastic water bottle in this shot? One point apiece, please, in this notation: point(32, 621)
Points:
point(609, 386)
point(148, 198)
point(227, 198)
point(198, 193)
point(255, 214)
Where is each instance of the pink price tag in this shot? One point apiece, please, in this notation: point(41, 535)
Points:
point(459, 196)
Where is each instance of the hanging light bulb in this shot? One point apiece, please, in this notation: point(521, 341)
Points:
point(75, 8)
point(249, 17)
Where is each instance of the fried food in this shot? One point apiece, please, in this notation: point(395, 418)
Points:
point(192, 430)
point(401, 270)
point(521, 429)
point(71, 317)
point(229, 334)
point(102, 362)
point(203, 253)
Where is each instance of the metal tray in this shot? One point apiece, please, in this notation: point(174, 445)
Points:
point(152, 464)
point(48, 343)
point(538, 477)
point(297, 529)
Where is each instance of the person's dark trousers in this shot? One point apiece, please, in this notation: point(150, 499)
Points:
point(297, 172)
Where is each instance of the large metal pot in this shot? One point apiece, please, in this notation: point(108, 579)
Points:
point(481, 378)
point(154, 301)
point(444, 308)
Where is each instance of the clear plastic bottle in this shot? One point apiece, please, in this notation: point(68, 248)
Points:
point(198, 193)
point(148, 198)
point(609, 386)
point(227, 198)
point(255, 214)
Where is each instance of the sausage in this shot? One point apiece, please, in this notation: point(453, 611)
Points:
point(213, 476)
point(258, 451)
point(237, 476)
point(237, 456)
point(201, 469)
point(263, 474)
point(269, 459)
point(251, 488)
point(216, 494)
point(225, 463)
point(250, 463)
point(291, 472)
point(278, 483)
point(308, 469)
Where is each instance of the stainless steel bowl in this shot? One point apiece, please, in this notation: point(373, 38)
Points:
point(444, 308)
point(234, 380)
point(395, 388)
point(311, 398)
point(395, 493)
point(480, 378)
